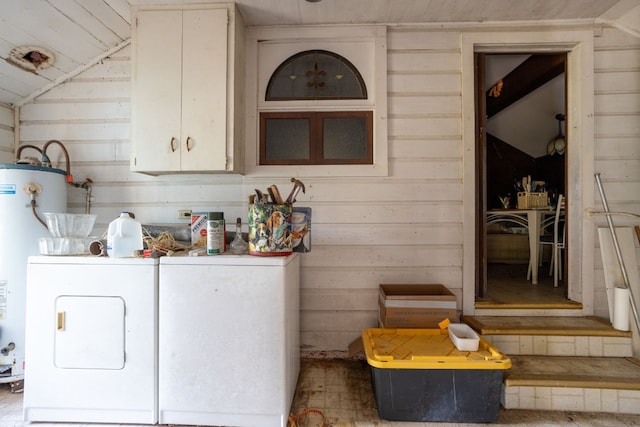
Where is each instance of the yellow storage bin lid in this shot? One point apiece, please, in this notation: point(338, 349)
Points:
point(426, 349)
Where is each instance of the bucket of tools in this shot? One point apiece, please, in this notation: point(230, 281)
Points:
point(270, 229)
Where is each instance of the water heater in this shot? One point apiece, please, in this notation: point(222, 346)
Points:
point(25, 192)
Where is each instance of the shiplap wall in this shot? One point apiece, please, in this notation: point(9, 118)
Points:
point(404, 228)
point(6, 134)
point(617, 137)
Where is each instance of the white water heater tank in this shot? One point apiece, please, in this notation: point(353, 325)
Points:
point(19, 234)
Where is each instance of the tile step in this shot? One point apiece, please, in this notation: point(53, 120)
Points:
point(543, 325)
point(621, 373)
point(553, 336)
point(567, 383)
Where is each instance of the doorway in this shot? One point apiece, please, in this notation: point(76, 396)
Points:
point(520, 114)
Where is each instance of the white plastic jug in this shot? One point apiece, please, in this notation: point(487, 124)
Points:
point(124, 236)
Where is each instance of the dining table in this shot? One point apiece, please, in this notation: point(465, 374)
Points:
point(533, 220)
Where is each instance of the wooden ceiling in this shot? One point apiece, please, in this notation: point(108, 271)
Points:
point(524, 79)
point(81, 32)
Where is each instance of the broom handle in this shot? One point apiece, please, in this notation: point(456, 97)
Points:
point(616, 245)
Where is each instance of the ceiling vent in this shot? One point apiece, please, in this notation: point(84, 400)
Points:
point(31, 58)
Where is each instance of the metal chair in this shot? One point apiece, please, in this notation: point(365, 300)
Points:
point(557, 241)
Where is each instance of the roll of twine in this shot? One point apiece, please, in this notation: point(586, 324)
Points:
point(164, 243)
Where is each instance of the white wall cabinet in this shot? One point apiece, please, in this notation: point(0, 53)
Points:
point(185, 95)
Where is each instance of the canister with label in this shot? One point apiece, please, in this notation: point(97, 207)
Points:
point(215, 233)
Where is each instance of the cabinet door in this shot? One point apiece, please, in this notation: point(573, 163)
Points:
point(204, 90)
point(157, 91)
point(89, 332)
point(179, 115)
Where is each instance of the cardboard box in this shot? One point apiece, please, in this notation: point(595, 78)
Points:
point(199, 228)
point(415, 306)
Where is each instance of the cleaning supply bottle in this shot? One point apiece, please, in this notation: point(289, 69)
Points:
point(124, 236)
point(216, 234)
point(239, 246)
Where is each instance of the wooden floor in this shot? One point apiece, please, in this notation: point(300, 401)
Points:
point(508, 287)
point(341, 392)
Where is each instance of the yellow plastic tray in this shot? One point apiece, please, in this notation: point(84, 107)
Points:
point(426, 349)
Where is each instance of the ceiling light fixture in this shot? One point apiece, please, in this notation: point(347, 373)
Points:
point(558, 144)
point(30, 58)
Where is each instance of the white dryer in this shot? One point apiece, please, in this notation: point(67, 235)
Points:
point(91, 340)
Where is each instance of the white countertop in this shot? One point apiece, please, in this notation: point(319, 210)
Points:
point(179, 259)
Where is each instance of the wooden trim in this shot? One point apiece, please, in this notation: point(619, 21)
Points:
point(481, 185)
point(537, 70)
point(316, 137)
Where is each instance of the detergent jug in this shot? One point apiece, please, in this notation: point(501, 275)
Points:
point(124, 236)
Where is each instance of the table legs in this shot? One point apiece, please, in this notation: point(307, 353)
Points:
point(534, 219)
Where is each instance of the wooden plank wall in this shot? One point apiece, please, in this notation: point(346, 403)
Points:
point(6, 134)
point(90, 114)
point(404, 228)
point(617, 137)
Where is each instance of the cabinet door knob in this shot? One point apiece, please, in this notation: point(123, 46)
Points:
point(188, 143)
point(172, 145)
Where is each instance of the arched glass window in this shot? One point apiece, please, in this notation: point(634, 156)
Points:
point(315, 74)
point(308, 137)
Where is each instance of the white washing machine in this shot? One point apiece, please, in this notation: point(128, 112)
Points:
point(91, 340)
point(229, 339)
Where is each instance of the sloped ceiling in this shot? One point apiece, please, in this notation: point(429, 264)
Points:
point(80, 32)
point(529, 123)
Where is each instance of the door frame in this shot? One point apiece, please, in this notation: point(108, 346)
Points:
point(482, 165)
point(578, 44)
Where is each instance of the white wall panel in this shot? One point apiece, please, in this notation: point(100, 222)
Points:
point(65, 131)
point(424, 60)
point(622, 103)
point(418, 126)
point(617, 136)
point(404, 228)
point(412, 103)
point(6, 135)
point(426, 147)
point(417, 167)
point(92, 110)
point(433, 83)
point(617, 81)
point(333, 277)
point(388, 190)
point(617, 124)
point(379, 212)
point(422, 39)
point(386, 255)
point(79, 90)
point(618, 148)
point(339, 299)
point(392, 234)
